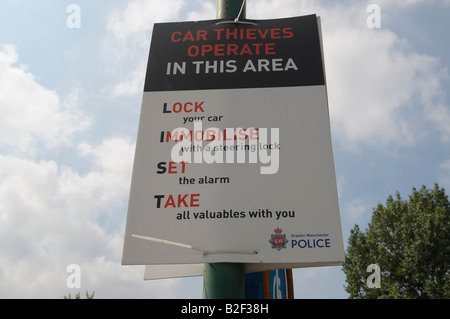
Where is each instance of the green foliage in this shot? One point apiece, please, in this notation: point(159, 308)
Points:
point(410, 242)
point(77, 296)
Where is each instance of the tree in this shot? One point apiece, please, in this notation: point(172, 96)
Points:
point(77, 296)
point(410, 243)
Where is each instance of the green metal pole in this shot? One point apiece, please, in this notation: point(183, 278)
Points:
point(229, 9)
point(225, 280)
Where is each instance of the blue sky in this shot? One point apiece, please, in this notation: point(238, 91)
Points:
point(70, 101)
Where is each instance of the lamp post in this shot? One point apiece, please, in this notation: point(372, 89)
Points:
point(230, 9)
point(226, 280)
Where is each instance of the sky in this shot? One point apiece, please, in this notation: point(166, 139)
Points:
point(71, 83)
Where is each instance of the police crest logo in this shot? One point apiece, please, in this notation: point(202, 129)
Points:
point(278, 240)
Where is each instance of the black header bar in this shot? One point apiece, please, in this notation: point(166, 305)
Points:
point(219, 54)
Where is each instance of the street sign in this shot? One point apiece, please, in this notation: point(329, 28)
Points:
point(234, 160)
point(270, 284)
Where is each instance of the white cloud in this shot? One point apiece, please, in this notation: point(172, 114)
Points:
point(401, 3)
point(370, 82)
point(140, 15)
point(270, 9)
point(207, 11)
point(374, 83)
point(433, 98)
point(134, 82)
point(374, 77)
point(129, 40)
point(32, 114)
point(356, 209)
point(114, 158)
point(51, 216)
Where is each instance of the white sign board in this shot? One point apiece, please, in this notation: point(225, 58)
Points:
point(234, 159)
